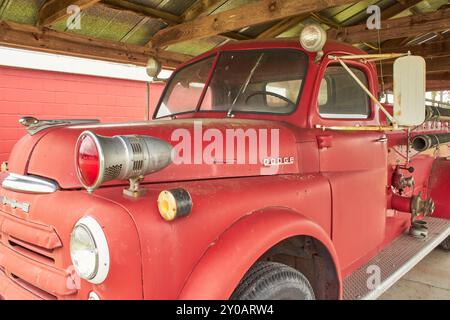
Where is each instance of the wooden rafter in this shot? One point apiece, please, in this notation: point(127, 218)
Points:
point(291, 22)
point(167, 17)
point(433, 49)
point(202, 8)
point(395, 28)
point(238, 18)
point(282, 26)
point(432, 85)
point(288, 23)
point(398, 8)
point(55, 10)
point(438, 85)
point(392, 11)
point(439, 76)
point(46, 40)
point(434, 65)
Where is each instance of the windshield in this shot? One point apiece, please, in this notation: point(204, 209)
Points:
point(253, 81)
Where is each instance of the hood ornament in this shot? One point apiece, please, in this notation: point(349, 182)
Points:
point(35, 125)
point(28, 121)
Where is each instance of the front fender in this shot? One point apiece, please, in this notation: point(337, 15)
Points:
point(227, 260)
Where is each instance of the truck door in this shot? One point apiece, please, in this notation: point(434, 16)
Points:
point(354, 161)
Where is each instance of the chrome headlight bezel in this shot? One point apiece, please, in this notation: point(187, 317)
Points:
point(94, 231)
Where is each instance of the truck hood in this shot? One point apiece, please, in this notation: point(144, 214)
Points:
point(51, 154)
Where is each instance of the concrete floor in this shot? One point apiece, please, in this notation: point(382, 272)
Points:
point(429, 280)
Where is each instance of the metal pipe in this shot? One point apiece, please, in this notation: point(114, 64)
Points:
point(427, 141)
point(437, 112)
point(441, 103)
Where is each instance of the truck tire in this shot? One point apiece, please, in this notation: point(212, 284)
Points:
point(273, 281)
point(446, 244)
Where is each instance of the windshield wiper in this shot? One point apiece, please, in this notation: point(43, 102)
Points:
point(244, 86)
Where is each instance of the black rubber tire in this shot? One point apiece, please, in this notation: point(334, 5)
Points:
point(446, 244)
point(273, 281)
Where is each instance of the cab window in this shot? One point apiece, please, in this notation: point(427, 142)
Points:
point(340, 96)
point(282, 89)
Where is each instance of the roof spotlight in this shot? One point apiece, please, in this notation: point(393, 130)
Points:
point(313, 38)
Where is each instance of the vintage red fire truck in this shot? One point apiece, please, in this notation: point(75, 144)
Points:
point(344, 198)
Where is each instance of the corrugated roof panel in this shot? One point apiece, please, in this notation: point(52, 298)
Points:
point(142, 33)
point(102, 22)
point(254, 31)
point(176, 7)
point(148, 3)
point(196, 47)
point(231, 4)
point(295, 31)
point(362, 15)
point(430, 5)
point(21, 11)
point(331, 12)
point(352, 10)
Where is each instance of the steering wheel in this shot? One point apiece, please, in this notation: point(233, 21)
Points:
point(268, 93)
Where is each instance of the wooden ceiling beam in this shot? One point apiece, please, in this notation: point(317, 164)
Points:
point(247, 15)
point(47, 40)
point(398, 8)
point(395, 28)
point(434, 65)
point(55, 10)
point(439, 76)
point(392, 11)
point(428, 49)
point(282, 26)
point(288, 23)
point(432, 85)
point(445, 76)
point(438, 85)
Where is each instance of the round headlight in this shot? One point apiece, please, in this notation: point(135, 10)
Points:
point(313, 38)
point(89, 250)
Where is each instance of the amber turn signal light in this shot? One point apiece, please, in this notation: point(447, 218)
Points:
point(174, 203)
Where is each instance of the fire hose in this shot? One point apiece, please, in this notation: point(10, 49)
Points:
point(427, 141)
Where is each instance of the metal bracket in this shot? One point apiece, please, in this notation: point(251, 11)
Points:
point(135, 190)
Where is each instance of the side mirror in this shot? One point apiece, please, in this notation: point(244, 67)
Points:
point(409, 90)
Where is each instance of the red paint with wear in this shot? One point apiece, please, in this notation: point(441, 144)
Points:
point(336, 194)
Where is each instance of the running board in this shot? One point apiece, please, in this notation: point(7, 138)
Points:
point(393, 262)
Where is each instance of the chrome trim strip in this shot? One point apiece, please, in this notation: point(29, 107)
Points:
point(29, 184)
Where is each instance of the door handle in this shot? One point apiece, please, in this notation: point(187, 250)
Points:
point(325, 141)
point(382, 140)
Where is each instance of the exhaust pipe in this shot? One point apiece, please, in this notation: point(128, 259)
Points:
point(427, 141)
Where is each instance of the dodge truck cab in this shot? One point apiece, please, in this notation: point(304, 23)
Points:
point(270, 171)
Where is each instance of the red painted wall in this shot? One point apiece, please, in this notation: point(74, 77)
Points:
point(54, 95)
